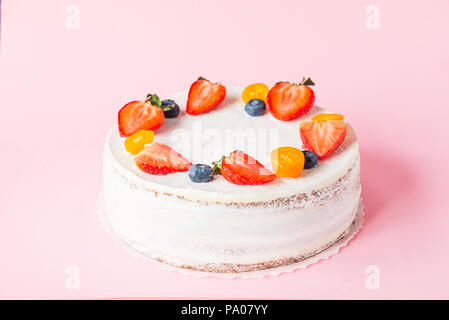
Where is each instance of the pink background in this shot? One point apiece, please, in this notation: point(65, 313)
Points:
point(60, 91)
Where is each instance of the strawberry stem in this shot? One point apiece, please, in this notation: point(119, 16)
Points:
point(153, 99)
point(216, 167)
point(307, 82)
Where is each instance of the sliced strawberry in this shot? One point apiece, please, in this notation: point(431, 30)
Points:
point(204, 96)
point(158, 158)
point(137, 115)
point(322, 137)
point(240, 168)
point(287, 101)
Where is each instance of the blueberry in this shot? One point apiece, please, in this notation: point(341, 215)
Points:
point(311, 159)
point(170, 108)
point(200, 173)
point(255, 107)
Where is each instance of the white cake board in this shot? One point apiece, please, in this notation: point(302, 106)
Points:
point(323, 255)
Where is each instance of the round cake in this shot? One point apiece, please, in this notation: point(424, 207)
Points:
point(223, 227)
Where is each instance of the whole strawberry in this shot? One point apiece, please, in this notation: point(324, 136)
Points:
point(288, 101)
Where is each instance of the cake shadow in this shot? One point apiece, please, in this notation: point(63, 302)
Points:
point(385, 179)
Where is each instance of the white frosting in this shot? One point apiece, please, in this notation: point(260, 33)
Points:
point(196, 231)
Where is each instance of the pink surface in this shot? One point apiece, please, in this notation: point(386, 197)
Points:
point(60, 90)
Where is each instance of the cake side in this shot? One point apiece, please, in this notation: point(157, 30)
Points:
point(221, 238)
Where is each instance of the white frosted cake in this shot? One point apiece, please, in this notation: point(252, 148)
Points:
point(220, 226)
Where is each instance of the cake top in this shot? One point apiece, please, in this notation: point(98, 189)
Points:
point(207, 137)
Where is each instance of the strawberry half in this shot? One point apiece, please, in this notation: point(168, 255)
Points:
point(240, 168)
point(137, 115)
point(322, 137)
point(158, 158)
point(287, 101)
point(204, 96)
